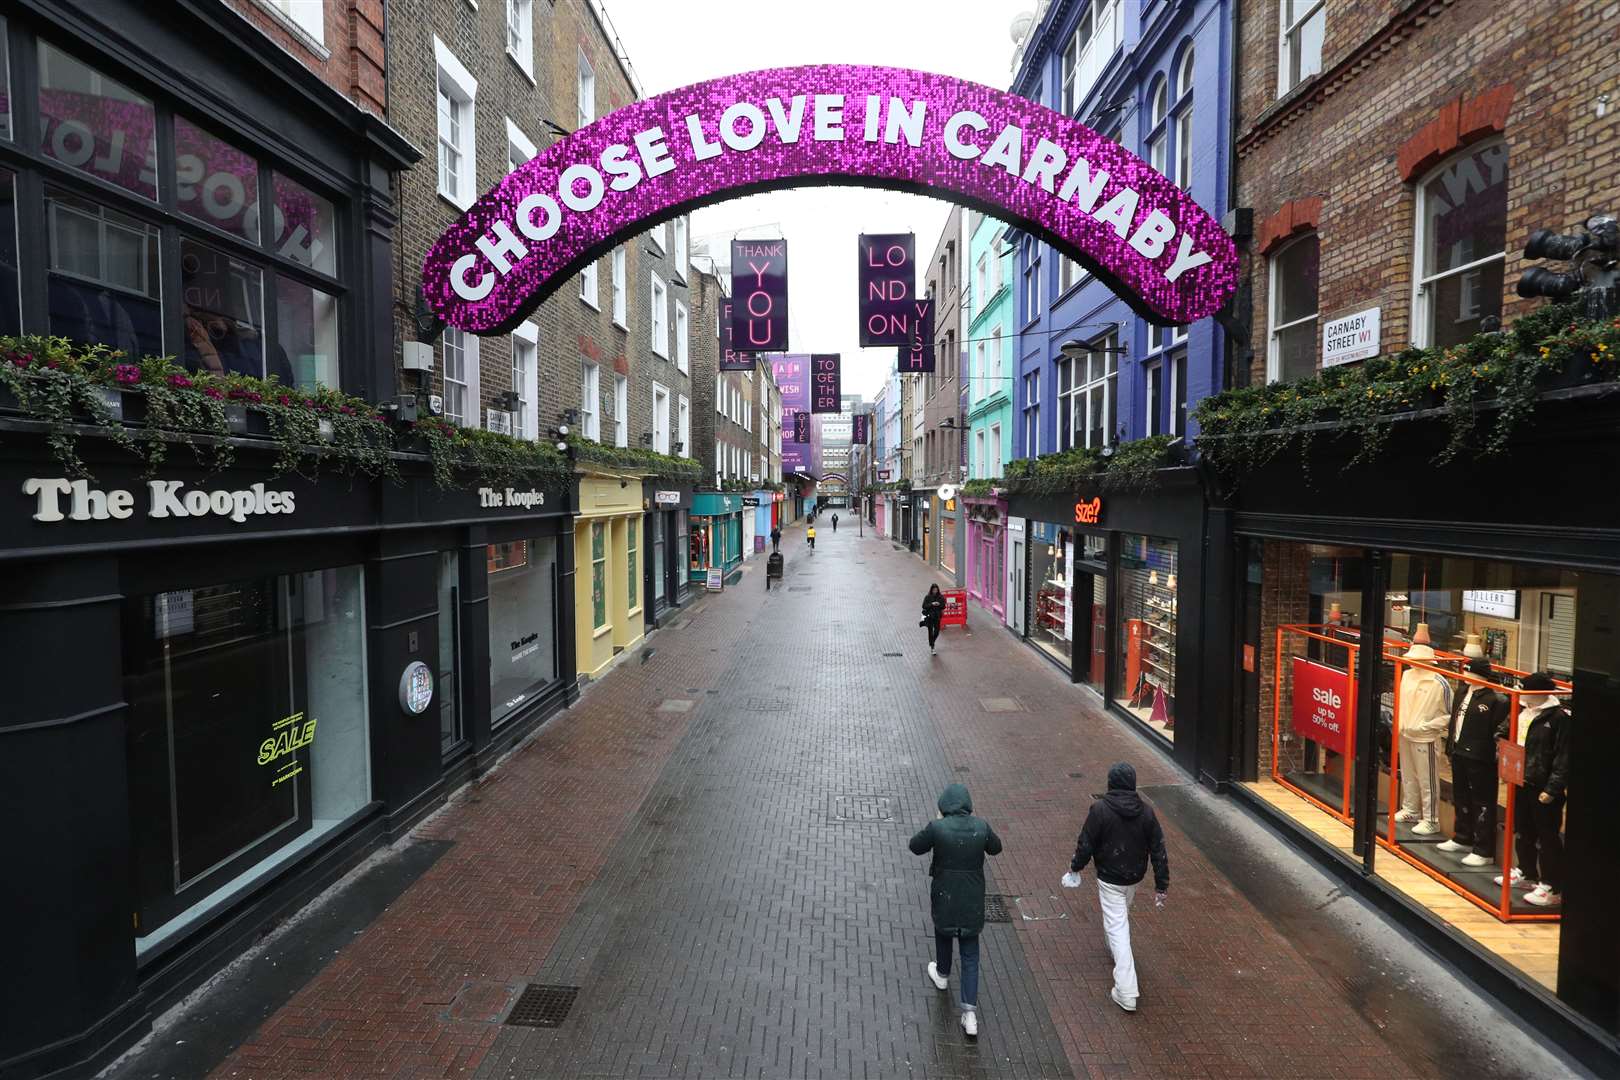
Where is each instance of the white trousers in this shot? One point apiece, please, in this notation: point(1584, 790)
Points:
point(1116, 916)
point(1420, 778)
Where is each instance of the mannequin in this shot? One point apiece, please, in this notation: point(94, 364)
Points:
point(1478, 719)
point(1538, 806)
point(1425, 699)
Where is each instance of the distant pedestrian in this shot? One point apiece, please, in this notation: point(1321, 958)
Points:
point(959, 842)
point(933, 610)
point(835, 523)
point(1122, 833)
point(776, 538)
point(810, 535)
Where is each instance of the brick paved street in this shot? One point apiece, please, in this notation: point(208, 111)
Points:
point(711, 846)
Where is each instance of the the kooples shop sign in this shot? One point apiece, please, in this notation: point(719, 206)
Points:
point(829, 124)
point(510, 499)
point(59, 499)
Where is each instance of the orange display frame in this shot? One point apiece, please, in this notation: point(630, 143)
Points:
point(1393, 651)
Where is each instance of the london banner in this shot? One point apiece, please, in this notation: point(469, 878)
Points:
point(826, 389)
point(759, 297)
point(887, 274)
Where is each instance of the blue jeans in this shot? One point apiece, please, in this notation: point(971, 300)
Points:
point(970, 964)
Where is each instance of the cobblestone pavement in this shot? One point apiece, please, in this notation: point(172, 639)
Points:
point(711, 846)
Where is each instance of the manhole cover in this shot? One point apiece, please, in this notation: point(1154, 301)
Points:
point(766, 705)
point(863, 808)
point(963, 768)
point(542, 1006)
point(675, 705)
point(1076, 775)
point(1000, 704)
point(996, 907)
point(799, 588)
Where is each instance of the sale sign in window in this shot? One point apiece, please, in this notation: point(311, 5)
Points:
point(1321, 704)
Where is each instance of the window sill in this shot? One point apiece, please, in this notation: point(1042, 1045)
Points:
point(302, 36)
point(455, 202)
point(625, 326)
point(527, 70)
point(594, 307)
point(660, 355)
point(605, 629)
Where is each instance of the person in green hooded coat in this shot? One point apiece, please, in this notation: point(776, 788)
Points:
point(959, 842)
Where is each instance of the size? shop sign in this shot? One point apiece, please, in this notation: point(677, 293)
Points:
point(1088, 513)
point(57, 499)
point(1321, 704)
point(1354, 337)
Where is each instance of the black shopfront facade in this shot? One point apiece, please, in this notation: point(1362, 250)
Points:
point(665, 583)
point(1469, 576)
point(1117, 590)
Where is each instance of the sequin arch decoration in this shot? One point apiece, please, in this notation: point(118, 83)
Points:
point(855, 125)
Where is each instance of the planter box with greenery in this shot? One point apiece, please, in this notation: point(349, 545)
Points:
point(1133, 466)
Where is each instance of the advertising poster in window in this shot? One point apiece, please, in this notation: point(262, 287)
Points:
point(1321, 704)
point(918, 354)
point(886, 274)
point(759, 311)
point(826, 383)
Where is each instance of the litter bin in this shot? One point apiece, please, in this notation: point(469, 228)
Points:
point(773, 569)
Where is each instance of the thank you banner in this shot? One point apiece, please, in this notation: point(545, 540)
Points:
point(759, 299)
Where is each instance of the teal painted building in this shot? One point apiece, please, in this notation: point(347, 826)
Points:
point(991, 337)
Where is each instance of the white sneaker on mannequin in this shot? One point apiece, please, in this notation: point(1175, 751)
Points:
point(1425, 828)
point(1475, 860)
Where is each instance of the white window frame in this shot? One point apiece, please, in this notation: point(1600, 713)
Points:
point(585, 89)
point(1158, 140)
point(683, 334)
point(994, 471)
point(455, 84)
point(590, 289)
point(1154, 417)
point(658, 299)
point(1032, 290)
point(519, 147)
point(1032, 414)
point(680, 249)
point(307, 17)
point(660, 392)
point(1274, 292)
point(1069, 274)
point(1184, 120)
point(1289, 34)
point(1422, 287)
point(621, 288)
point(1083, 387)
point(659, 235)
point(621, 410)
point(463, 360)
point(526, 380)
point(590, 400)
point(683, 426)
point(520, 35)
point(979, 456)
point(1175, 366)
point(1098, 34)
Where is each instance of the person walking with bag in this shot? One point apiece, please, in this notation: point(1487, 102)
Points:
point(959, 842)
point(776, 538)
point(835, 523)
point(1122, 834)
point(933, 610)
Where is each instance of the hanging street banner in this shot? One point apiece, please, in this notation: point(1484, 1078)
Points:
point(801, 428)
point(918, 354)
point(857, 430)
point(731, 359)
point(893, 128)
point(887, 276)
point(759, 307)
point(826, 389)
point(791, 372)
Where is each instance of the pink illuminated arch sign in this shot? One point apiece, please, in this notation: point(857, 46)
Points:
point(830, 124)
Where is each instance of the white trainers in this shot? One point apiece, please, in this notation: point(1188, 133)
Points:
point(1472, 859)
point(1128, 1006)
point(941, 982)
point(1406, 817)
point(1425, 828)
point(970, 1023)
point(1518, 878)
point(1543, 896)
point(1451, 846)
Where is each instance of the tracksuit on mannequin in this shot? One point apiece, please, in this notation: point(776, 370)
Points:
point(1425, 716)
point(1478, 719)
point(1538, 805)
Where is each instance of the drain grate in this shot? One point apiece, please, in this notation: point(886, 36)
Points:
point(863, 808)
point(542, 1006)
point(799, 588)
point(893, 654)
point(766, 705)
point(997, 907)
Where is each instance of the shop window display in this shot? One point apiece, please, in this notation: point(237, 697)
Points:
point(1145, 672)
point(1470, 766)
point(247, 732)
point(1051, 581)
point(522, 613)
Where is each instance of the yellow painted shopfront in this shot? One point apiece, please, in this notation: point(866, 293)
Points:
point(608, 616)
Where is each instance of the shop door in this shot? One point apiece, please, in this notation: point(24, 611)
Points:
point(1015, 573)
point(1557, 651)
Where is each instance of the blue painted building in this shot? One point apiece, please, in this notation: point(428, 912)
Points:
point(1155, 76)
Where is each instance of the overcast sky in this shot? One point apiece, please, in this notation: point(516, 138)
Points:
point(671, 45)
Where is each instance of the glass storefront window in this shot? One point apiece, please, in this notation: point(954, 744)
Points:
point(698, 549)
point(1051, 559)
point(449, 649)
point(215, 182)
point(522, 618)
point(305, 226)
point(599, 615)
point(94, 123)
point(682, 582)
point(632, 569)
point(1145, 663)
point(247, 727)
point(5, 81)
point(947, 543)
point(224, 300)
point(307, 325)
point(658, 563)
point(104, 283)
point(10, 279)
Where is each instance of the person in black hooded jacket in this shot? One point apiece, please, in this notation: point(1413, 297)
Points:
point(959, 842)
point(1121, 835)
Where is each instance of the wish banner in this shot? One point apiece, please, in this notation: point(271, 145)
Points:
point(759, 296)
point(801, 428)
point(730, 358)
point(826, 383)
point(917, 355)
point(887, 274)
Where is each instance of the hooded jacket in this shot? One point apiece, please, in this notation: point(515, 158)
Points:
point(1479, 716)
point(933, 606)
point(1425, 706)
point(959, 842)
point(1546, 747)
point(1122, 833)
